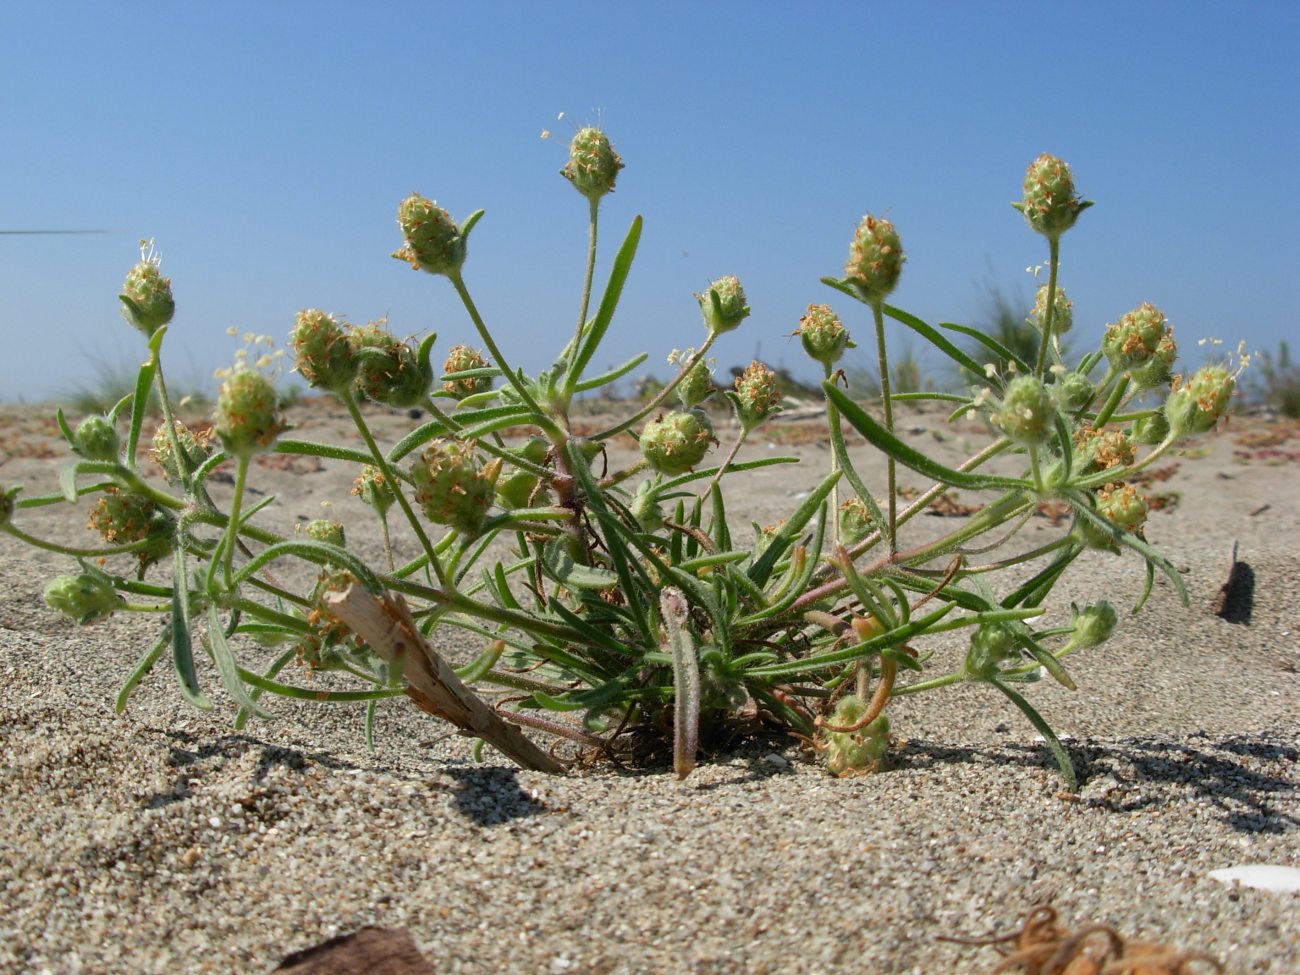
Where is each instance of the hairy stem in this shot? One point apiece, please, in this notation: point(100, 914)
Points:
point(1054, 261)
point(891, 530)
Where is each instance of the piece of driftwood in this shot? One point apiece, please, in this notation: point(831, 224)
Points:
point(386, 625)
point(371, 950)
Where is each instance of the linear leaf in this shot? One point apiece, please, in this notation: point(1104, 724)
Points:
point(880, 437)
point(608, 302)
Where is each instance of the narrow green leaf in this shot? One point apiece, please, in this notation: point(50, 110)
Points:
point(618, 372)
point(478, 668)
point(469, 224)
point(1083, 510)
point(64, 428)
point(880, 437)
point(226, 666)
point(721, 532)
point(182, 648)
point(280, 662)
point(559, 565)
point(597, 637)
point(415, 439)
point(608, 302)
point(139, 405)
point(139, 671)
point(322, 553)
point(309, 449)
point(701, 594)
point(1053, 743)
point(68, 483)
point(993, 345)
point(788, 532)
point(935, 337)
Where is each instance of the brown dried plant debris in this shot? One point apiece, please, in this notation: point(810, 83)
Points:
point(1154, 474)
point(1044, 947)
point(291, 463)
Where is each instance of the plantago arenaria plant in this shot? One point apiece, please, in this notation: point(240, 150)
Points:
point(630, 619)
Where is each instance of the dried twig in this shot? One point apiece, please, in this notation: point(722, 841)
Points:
point(389, 630)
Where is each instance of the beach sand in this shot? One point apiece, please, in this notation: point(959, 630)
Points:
point(162, 840)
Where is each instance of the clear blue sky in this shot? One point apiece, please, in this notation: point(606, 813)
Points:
point(266, 147)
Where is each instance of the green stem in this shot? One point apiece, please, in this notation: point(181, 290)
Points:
point(232, 526)
point(390, 478)
point(1054, 262)
point(891, 530)
point(182, 459)
point(664, 393)
point(1029, 556)
point(594, 209)
point(1036, 468)
point(1000, 511)
point(929, 685)
point(726, 462)
point(88, 553)
point(458, 283)
point(1112, 404)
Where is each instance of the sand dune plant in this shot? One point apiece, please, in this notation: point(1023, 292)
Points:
point(632, 618)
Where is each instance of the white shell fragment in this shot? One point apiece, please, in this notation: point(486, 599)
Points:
point(1261, 876)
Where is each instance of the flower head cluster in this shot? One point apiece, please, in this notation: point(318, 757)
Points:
point(452, 486)
point(321, 350)
point(757, 395)
point(723, 305)
point(696, 384)
point(875, 259)
point(1062, 311)
point(247, 419)
point(434, 242)
point(84, 597)
point(388, 369)
point(593, 164)
point(197, 447)
point(146, 296)
point(675, 442)
point(461, 358)
point(823, 335)
point(1103, 449)
point(1134, 339)
point(1050, 204)
point(372, 489)
point(1027, 411)
point(122, 518)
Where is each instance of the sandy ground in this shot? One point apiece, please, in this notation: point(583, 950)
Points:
point(161, 840)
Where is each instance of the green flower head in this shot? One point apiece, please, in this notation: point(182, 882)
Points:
point(675, 442)
point(461, 358)
point(452, 486)
point(1050, 204)
point(1028, 411)
point(875, 259)
point(96, 438)
point(723, 305)
point(146, 296)
point(1196, 404)
point(823, 335)
point(85, 598)
point(758, 396)
point(1136, 337)
point(247, 420)
point(433, 241)
point(593, 164)
point(321, 350)
point(1062, 311)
